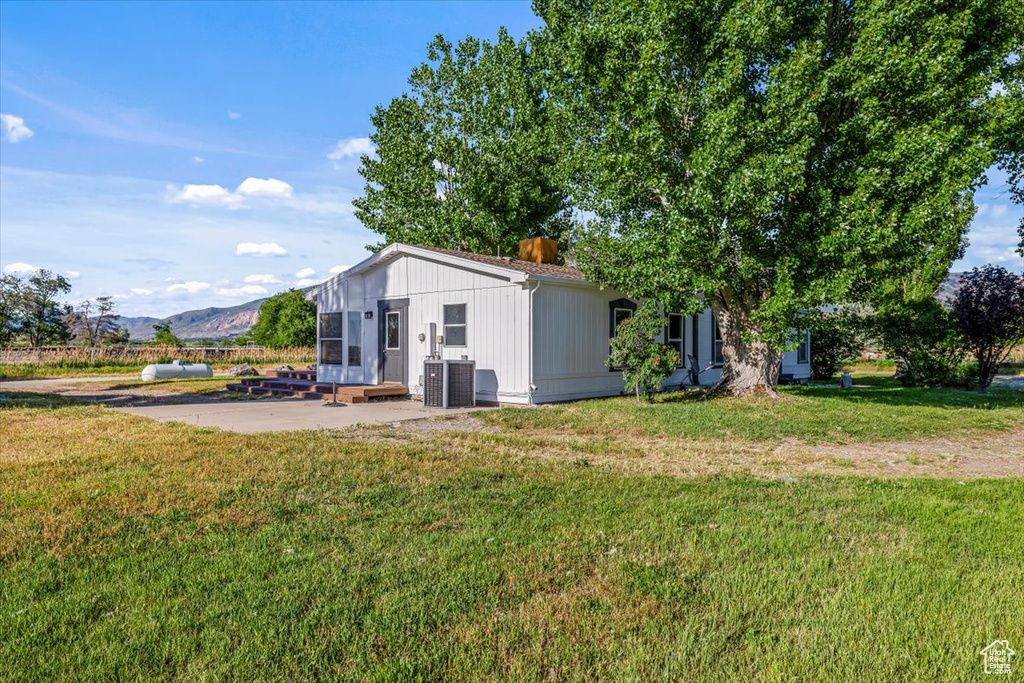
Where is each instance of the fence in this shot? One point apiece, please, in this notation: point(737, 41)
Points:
point(73, 356)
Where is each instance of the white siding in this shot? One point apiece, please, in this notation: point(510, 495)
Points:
point(497, 321)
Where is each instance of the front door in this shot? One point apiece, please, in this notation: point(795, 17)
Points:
point(394, 337)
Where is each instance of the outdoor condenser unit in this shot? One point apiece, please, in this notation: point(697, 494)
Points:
point(449, 383)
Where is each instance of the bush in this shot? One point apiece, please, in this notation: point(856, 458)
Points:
point(835, 340)
point(921, 338)
point(988, 312)
point(645, 362)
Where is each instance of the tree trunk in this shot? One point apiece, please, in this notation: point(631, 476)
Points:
point(751, 366)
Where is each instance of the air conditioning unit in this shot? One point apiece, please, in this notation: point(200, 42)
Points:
point(449, 383)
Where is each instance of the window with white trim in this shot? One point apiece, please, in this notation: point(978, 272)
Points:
point(717, 343)
point(455, 324)
point(802, 349)
point(674, 334)
point(355, 338)
point(332, 347)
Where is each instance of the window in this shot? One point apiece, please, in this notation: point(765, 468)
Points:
point(675, 334)
point(618, 311)
point(803, 348)
point(719, 357)
point(355, 338)
point(455, 324)
point(393, 330)
point(331, 345)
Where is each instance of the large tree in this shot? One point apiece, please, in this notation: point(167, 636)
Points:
point(42, 319)
point(465, 160)
point(766, 158)
point(286, 320)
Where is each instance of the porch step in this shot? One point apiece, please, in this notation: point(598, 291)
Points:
point(292, 374)
point(300, 388)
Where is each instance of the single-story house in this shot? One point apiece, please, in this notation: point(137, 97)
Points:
point(538, 332)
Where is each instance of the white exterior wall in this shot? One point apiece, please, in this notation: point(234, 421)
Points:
point(497, 323)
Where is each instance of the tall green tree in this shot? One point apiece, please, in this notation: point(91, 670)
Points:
point(764, 158)
point(286, 320)
point(12, 307)
point(42, 319)
point(164, 336)
point(465, 160)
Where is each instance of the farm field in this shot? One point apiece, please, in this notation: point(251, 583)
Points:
point(688, 539)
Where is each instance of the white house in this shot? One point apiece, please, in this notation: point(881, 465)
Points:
point(538, 332)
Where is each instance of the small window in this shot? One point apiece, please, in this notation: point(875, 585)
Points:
point(393, 330)
point(355, 338)
point(675, 334)
point(803, 347)
point(455, 324)
point(331, 346)
point(719, 357)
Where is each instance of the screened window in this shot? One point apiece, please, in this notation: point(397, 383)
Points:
point(332, 348)
point(355, 338)
point(802, 349)
point(719, 356)
point(675, 334)
point(393, 330)
point(455, 325)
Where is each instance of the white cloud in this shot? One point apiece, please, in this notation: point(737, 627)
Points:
point(15, 129)
point(73, 274)
point(192, 287)
point(234, 115)
point(244, 290)
point(265, 187)
point(351, 147)
point(259, 249)
point(205, 195)
point(306, 272)
point(339, 269)
point(19, 268)
point(307, 282)
point(998, 211)
point(198, 160)
point(139, 291)
point(261, 279)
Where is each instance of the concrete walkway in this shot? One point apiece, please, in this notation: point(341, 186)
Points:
point(279, 415)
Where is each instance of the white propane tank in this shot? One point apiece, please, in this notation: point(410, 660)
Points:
point(176, 370)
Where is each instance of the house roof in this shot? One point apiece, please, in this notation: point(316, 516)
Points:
point(517, 265)
point(498, 265)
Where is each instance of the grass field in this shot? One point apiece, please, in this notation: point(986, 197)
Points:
point(135, 549)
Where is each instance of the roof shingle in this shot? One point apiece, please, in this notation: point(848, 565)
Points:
point(513, 264)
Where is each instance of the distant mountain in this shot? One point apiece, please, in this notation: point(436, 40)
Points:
point(205, 323)
point(947, 290)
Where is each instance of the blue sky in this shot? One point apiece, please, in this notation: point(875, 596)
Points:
point(184, 155)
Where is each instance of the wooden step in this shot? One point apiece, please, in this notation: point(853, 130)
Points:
point(345, 393)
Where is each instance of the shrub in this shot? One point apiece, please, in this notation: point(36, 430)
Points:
point(921, 338)
point(645, 362)
point(835, 339)
point(988, 312)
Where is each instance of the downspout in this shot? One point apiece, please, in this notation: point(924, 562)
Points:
point(531, 387)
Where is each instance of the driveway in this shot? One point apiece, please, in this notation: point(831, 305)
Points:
point(280, 415)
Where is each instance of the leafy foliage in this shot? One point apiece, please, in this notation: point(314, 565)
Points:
point(988, 312)
point(286, 320)
point(775, 157)
point(11, 307)
point(920, 337)
point(836, 338)
point(465, 161)
point(37, 315)
point(164, 336)
point(645, 362)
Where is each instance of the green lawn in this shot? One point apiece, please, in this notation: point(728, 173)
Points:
point(133, 549)
point(811, 413)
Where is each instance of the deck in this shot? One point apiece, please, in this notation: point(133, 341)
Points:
point(303, 384)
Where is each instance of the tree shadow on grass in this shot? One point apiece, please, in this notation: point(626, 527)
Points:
point(29, 399)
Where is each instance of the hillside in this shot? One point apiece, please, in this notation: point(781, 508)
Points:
point(204, 323)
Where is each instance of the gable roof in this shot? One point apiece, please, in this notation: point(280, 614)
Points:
point(515, 269)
